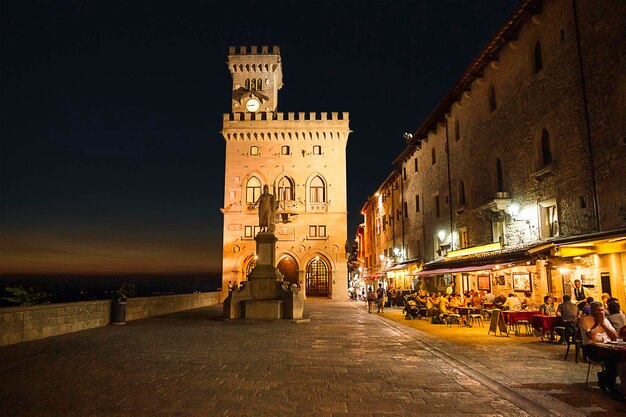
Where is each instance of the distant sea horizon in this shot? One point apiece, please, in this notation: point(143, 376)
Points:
point(84, 287)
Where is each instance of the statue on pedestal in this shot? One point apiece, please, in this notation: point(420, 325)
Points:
point(267, 211)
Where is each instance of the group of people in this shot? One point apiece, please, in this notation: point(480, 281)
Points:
point(377, 296)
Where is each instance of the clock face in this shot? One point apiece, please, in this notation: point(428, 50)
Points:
point(252, 105)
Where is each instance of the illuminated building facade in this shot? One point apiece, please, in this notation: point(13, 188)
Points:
point(302, 158)
point(517, 179)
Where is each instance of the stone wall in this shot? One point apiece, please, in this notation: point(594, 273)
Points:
point(21, 324)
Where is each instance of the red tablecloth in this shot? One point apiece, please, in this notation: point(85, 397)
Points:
point(543, 322)
point(512, 317)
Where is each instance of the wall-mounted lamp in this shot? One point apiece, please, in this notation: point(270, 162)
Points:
point(441, 235)
point(513, 209)
point(396, 251)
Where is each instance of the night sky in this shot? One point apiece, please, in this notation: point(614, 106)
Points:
point(110, 154)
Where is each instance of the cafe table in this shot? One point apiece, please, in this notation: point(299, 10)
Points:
point(512, 317)
point(466, 311)
point(544, 323)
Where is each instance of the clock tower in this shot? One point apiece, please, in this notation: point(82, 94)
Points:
point(301, 157)
point(257, 76)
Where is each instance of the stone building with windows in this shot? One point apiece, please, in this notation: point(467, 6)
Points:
point(517, 179)
point(302, 158)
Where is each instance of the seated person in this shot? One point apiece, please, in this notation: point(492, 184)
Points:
point(512, 303)
point(477, 300)
point(489, 297)
point(616, 317)
point(547, 308)
point(595, 328)
point(567, 311)
point(528, 302)
point(499, 301)
point(444, 306)
point(586, 307)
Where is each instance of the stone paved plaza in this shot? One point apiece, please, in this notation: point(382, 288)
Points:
point(344, 362)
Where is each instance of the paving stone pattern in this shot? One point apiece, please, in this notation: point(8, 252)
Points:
point(345, 362)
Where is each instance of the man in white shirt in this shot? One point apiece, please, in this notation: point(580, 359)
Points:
point(596, 328)
point(513, 303)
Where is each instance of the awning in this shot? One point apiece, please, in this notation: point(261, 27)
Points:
point(456, 270)
point(374, 276)
point(403, 265)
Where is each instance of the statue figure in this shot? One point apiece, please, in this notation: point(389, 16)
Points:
point(267, 210)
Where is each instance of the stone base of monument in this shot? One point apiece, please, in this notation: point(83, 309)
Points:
point(265, 295)
point(264, 309)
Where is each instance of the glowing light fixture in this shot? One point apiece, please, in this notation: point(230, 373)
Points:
point(563, 270)
point(442, 235)
point(513, 209)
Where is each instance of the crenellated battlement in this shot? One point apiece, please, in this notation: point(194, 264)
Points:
point(253, 50)
point(291, 116)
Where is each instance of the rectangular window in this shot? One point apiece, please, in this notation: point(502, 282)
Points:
point(284, 150)
point(406, 210)
point(404, 174)
point(398, 214)
point(321, 231)
point(313, 231)
point(416, 166)
point(248, 232)
point(437, 207)
point(317, 150)
point(254, 150)
point(384, 223)
point(417, 203)
point(433, 153)
point(463, 240)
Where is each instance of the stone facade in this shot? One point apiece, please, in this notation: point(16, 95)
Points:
point(529, 145)
point(302, 157)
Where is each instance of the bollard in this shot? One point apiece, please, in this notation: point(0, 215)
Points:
point(118, 310)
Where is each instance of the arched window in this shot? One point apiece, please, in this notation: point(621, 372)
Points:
point(286, 189)
point(317, 190)
point(499, 175)
point(253, 84)
point(461, 193)
point(457, 131)
point(254, 150)
point(259, 84)
point(317, 150)
point(538, 57)
point(546, 148)
point(492, 99)
point(284, 150)
point(253, 190)
point(246, 84)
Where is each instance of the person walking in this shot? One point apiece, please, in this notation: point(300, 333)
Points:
point(380, 295)
point(371, 297)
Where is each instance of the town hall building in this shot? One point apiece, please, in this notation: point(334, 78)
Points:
point(302, 158)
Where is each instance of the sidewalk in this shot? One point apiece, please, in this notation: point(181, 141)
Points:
point(345, 362)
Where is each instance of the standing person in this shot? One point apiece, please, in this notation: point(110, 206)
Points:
point(363, 298)
point(380, 295)
point(230, 287)
point(450, 288)
point(392, 297)
point(371, 297)
point(580, 296)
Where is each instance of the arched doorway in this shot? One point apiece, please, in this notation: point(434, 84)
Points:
point(249, 263)
point(289, 268)
point(318, 278)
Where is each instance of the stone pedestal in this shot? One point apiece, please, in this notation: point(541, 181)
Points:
point(264, 309)
point(265, 295)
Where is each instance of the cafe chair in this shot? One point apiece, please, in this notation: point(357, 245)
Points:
point(572, 337)
point(453, 317)
point(528, 331)
point(477, 319)
point(594, 363)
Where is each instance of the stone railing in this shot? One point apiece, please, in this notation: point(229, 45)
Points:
point(20, 324)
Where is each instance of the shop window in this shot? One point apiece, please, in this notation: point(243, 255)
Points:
point(253, 190)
